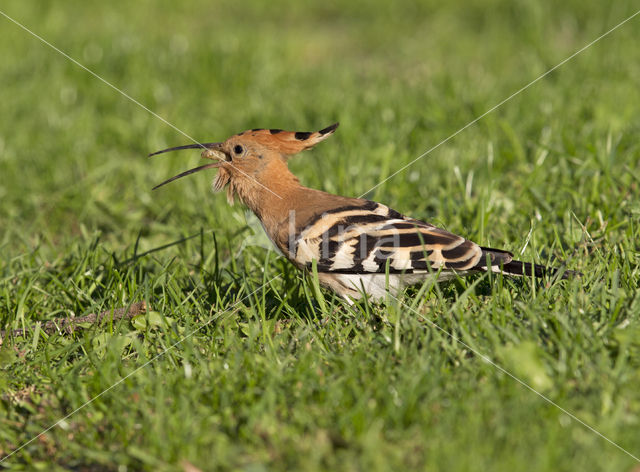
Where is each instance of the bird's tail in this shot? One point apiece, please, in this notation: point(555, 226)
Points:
point(529, 269)
point(503, 262)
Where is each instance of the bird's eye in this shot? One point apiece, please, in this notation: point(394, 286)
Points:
point(237, 149)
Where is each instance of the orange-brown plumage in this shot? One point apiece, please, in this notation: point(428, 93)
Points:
point(355, 242)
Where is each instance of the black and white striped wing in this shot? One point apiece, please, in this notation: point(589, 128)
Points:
point(364, 239)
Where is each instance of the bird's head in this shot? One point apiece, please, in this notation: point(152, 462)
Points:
point(252, 161)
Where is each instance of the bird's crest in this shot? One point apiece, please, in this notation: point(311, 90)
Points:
point(288, 143)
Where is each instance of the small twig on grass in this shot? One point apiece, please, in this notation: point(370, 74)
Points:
point(67, 325)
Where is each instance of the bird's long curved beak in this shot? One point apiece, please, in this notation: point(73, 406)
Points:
point(209, 151)
point(203, 146)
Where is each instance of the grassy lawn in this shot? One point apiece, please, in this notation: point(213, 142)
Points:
point(239, 365)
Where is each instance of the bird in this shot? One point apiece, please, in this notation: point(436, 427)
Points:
point(356, 246)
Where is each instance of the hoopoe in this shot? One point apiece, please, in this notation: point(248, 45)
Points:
point(354, 242)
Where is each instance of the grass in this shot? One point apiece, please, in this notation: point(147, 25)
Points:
point(240, 365)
